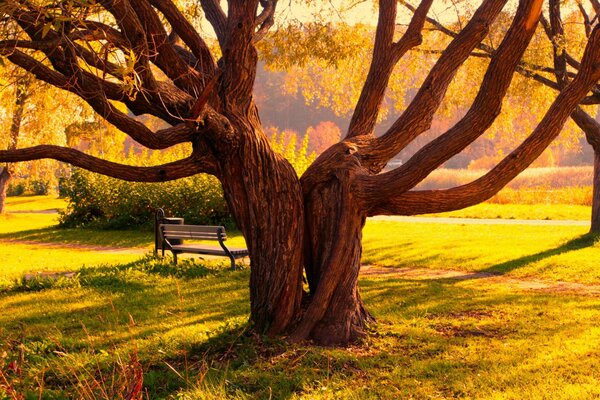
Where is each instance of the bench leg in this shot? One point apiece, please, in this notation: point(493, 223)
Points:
point(175, 257)
point(232, 263)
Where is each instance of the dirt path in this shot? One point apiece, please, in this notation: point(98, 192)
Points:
point(516, 283)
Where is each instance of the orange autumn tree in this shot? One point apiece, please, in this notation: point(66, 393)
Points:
point(147, 55)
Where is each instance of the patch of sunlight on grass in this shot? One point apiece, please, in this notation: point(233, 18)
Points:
point(18, 259)
point(14, 223)
point(35, 203)
point(443, 338)
point(565, 253)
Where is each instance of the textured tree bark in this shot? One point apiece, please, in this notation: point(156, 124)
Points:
point(4, 179)
point(264, 195)
point(595, 225)
point(334, 220)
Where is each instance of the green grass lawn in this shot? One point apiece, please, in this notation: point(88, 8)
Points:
point(546, 252)
point(126, 317)
point(185, 331)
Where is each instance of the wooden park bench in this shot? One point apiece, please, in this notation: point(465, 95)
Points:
point(174, 235)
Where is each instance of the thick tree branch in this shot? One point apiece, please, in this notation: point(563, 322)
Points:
point(589, 126)
point(188, 34)
point(428, 201)
point(102, 106)
point(133, 31)
point(480, 116)
point(265, 20)
point(596, 5)
point(386, 55)
point(239, 55)
point(417, 118)
point(162, 52)
point(160, 173)
point(217, 18)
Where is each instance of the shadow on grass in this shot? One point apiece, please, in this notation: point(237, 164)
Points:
point(92, 237)
point(123, 278)
point(579, 243)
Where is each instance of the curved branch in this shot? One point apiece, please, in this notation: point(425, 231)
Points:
point(428, 201)
point(265, 20)
point(386, 55)
point(217, 18)
point(480, 116)
point(179, 169)
point(133, 30)
point(162, 139)
point(589, 126)
point(163, 53)
point(188, 34)
point(417, 118)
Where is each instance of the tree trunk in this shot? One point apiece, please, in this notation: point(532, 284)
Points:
point(4, 178)
point(334, 223)
point(595, 226)
point(263, 192)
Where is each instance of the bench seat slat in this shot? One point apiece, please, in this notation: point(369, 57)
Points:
point(192, 228)
point(181, 235)
point(208, 249)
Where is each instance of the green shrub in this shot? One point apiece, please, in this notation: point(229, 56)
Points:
point(103, 202)
point(36, 187)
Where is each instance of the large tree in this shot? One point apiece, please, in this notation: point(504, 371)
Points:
point(129, 51)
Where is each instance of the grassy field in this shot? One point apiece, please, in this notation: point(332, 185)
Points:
point(127, 319)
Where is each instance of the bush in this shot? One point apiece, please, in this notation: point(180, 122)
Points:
point(103, 202)
point(35, 187)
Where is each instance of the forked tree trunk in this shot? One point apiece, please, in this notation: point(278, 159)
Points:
point(4, 179)
point(333, 248)
point(595, 226)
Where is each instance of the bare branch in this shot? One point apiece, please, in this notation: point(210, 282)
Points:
point(162, 52)
point(596, 5)
point(589, 126)
point(592, 99)
point(386, 54)
point(133, 31)
point(217, 18)
point(418, 116)
point(586, 19)
point(160, 173)
point(482, 113)
point(419, 202)
point(265, 20)
point(188, 34)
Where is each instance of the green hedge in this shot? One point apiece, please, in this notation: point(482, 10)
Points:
point(103, 202)
point(20, 187)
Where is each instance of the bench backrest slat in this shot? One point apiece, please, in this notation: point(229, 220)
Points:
point(193, 232)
